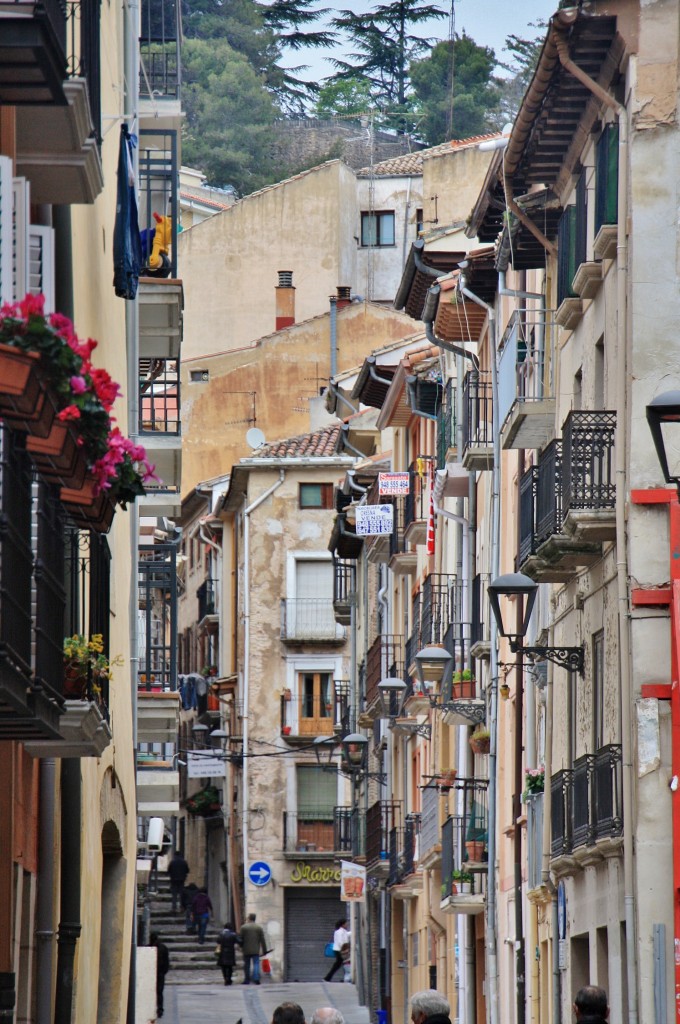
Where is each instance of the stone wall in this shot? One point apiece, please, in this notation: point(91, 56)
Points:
point(305, 142)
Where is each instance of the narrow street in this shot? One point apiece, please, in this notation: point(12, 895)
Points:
point(254, 1004)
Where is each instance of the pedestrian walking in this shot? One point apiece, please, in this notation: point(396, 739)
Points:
point(162, 968)
point(228, 941)
point(201, 909)
point(288, 1013)
point(341, 939)
point(188, 893)
point(327, 1015)
point(430, 1006)
point(178, 869)
point(254, 945)
point(590, 1005)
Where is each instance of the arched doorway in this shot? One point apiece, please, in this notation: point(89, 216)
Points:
point(111, 959)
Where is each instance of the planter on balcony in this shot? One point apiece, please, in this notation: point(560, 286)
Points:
point(19, 382)
point(480, 741)
point(58, 456)
point(94, 511)
point(475, 850)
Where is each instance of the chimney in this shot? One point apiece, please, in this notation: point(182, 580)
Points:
point(344, 295)
point(285, 300)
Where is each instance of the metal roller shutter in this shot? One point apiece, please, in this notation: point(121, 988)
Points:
point(311, 915)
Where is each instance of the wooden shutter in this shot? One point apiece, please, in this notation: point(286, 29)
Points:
point(20, 237)
point(41, 264)
point(6, 242)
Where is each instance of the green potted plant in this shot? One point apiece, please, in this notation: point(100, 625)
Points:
point(463, 684)
point(462, 880)
point(86, 666)
point(534, 782)
point(204, 803)
point(480, 740)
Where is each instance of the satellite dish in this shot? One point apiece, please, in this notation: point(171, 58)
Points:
point(254, 438)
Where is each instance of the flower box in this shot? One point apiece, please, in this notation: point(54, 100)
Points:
point(87, 508)
point(58, 456)
point(19, 382)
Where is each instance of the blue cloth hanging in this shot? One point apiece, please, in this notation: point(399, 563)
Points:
point(127, 245)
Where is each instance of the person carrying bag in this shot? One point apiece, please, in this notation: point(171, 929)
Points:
point(341, 939)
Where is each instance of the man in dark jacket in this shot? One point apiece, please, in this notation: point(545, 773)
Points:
point(201, 909)
point(178, 869)
point(430, 1006)
point(590, 1005)
point(162, 968)
point(254, 944)
point(228, 941)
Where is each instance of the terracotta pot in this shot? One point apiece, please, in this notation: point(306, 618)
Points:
point(475, 851)
point(39, 423)
point(19, 381)
point(75, 682)
point(93, 511)
point(58, 456)
point(480, 746)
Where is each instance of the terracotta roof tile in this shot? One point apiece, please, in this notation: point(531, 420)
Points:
point(412, 163)
point(317, 444)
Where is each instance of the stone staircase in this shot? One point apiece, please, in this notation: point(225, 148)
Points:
point(190, 963)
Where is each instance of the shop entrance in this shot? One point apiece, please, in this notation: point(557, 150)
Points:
point(310, 920)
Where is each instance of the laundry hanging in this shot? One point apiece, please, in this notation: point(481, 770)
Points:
point(127, 246)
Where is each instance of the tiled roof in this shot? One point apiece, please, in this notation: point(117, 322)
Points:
point(412, 163)
point(317, 444)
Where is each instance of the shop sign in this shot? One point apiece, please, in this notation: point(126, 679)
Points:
point(393, 484)
point(353, 882)
point(314, 873)
point(205, 765)
point(374, 520)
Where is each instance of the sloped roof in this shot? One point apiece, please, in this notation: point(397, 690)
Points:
point(317, 444)
point(412, 163)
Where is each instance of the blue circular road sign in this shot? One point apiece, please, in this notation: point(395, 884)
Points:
point(259, 873)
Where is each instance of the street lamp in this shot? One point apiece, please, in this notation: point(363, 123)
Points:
point(392, 693)
point(324, 748)
point(516, 584)
point(663, 417)
point(355, 751)
point(433, 665)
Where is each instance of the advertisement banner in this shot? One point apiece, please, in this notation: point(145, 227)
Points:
point(393, 483)
point(205, 766)
point(353, 882)
point(374, 520)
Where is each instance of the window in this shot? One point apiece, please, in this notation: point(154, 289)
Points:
point(566, 254)
point(316, 696)
point(316, 496)
point(199, 376)
point(607, 177)
point(377, 228)
point(598, 690)
point(419, 221)
point(317, 792)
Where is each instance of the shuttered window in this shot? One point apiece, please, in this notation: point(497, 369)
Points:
point(607, 177)
point(317, 791)
point(6, 218)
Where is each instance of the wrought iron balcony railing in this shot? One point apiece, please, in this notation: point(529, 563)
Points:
point(310, 620)
point(416, 501)
point(159, 396)
point(525, 359)
point(535, 840)
point(465, 834)
point(312, 830)
point(207, 599)
point(402, 850)
point(344, 587)
point(398, 542)
point(430, 831)
point(158, 195)
point(477, 414)
point(385, 658)
point(587, 801)
point(446, 425)
point(382, 818)
point(157, 590)
point(159, 75)
point(456, 875)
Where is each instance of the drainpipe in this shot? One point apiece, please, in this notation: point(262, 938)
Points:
point(621, 538)
point(491, 913)
point(339, 397)
point(428, 315)
point(44, 914)
point(333, 299)
point(69, 923)
point(246, 667)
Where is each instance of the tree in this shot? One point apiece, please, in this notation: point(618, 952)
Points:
point(341, 97)
point(385, 47)
point(476, 97)
point(525, 54)
point(287, 18)
point(229, 117)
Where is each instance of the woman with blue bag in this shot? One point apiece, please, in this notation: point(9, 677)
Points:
point(340, 939)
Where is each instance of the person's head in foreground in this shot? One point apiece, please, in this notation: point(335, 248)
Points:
point(590, 1002)
point(327, 1015)
point(288, 1013)
point(428, 1003)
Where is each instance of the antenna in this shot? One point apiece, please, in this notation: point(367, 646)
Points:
point(255, 438)
point(252, 419)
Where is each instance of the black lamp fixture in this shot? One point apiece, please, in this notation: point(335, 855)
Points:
point(219, 738)
point(324, 748)
point(516, 584)
point(433, 665)
point(663, 417)
point(392, 694)
point(200, 734)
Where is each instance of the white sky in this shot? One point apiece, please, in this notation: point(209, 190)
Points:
point(489, 22)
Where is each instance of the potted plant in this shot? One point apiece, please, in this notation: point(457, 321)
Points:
point(534, 782)
point(204, 803)
point(86, 667)
point(463, 880)
point(480, 740)
point(447, 778)
point(463, 684)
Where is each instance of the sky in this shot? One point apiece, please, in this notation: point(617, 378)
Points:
point(489, 22)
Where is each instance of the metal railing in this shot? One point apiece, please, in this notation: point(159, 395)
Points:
point(526, 358)
point(382, 818)
point(477, 411)
point(430, 831)
point(587, 801)
point(309, 620)
point(608, 796)
point(446, 425)
point(442, 605)
point(398, 544)
point(402, 849)
point(159, 396)
point(549, 512)
point(415, 502)
point(158, 192)
point(83, 53)
point(207, 598)
point(310, 831)
point(159, 74)
point(561, 840)
point(534, 840)
point(344, 574)
point(157, 630)
point(310, 715)
point(385, 658)
point(465, 836)
point(588, 474)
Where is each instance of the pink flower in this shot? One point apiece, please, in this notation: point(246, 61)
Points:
point(78, 385)
point(71, 412)
point(32, 305)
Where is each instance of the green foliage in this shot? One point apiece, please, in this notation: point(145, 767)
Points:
point(229, 117)
point(475, 94)
point(341, 97)
point(288, 18)
point(524, 57)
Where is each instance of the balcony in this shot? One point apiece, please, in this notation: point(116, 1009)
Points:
point(83, 732)
point(157, 619)
point(159, 418)
point(315, 832)
point(403, 561)
point(306, 716)
point(208, 611)
point(344, 587)
point(157, 715)
point(58, 142)
point(534, 807)
point(32, 52)
point(463, 880)
point(430, 828)
point(385, 659)
point(587, 807)
point(477, 422)
point(310, 620)
point(447, 440)
point(160, 68)
point(157, 787)
point(525, 393)
point(416, 505)
point(404, 879)
point(382, 818)
point(378, 549)
point(567, 501)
